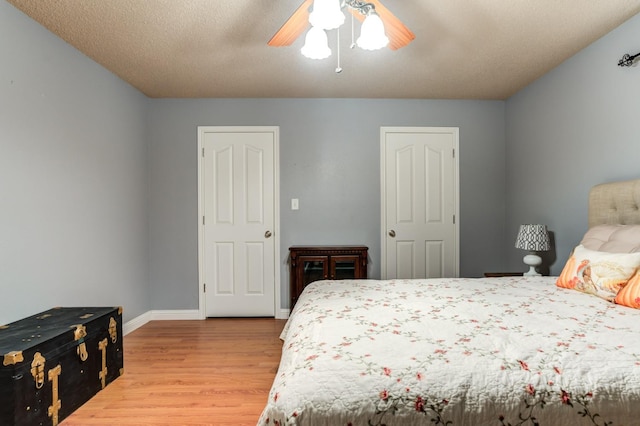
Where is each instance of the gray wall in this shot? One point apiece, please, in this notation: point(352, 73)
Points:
point(73, 225)
point(330, 160)
point(99, 184)
point(575, 127)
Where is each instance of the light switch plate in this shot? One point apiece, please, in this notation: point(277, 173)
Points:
point(294, 204)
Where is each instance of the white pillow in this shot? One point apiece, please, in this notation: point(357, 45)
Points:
point(600, 273)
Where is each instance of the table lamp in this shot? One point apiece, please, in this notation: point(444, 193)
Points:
point(533, 238)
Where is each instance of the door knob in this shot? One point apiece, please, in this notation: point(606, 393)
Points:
point(267, 234)
point(392, 233)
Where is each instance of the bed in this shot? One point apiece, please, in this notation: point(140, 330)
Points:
point(475, 351)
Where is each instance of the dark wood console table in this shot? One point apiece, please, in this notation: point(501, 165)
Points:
point(314, 263)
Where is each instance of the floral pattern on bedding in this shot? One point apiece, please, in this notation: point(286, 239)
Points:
point(498, 351)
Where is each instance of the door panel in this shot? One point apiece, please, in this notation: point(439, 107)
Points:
point(419, 202)
point(404, 253)
point(223, 282)
point(255, 275)
point(435, 259)
point(434, 165)
point(255, 184)
point(222, 185)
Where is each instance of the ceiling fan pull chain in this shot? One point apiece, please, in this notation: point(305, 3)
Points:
point(338, 68)
point(353, 37)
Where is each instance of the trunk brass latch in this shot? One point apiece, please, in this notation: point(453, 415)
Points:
point(37, 369)
point(113, 330)
point(80, 333)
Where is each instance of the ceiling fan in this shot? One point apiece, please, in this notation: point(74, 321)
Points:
point(398, 34)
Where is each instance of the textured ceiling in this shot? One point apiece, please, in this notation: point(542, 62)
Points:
point(481, 49)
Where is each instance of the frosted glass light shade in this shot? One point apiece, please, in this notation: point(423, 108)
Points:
point(372, 36)
point(326, 14)
point(316, 45)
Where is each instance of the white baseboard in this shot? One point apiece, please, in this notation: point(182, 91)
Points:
point(136, 323)
point(139, 321)
point(283, 314)
point(186, 314)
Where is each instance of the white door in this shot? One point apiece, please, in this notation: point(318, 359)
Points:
point(238, 193)
point(419, 202)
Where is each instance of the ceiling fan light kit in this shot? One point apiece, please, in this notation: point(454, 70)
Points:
point(372, 36)
point(380, 27)
point(316, 45)
point(327, 14)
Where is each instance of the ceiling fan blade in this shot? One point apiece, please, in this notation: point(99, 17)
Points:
point(295, 25)
point(399, 35)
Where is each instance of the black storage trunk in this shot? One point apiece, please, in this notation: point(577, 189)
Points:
point(55, 361)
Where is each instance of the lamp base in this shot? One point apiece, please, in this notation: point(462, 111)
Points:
point(532, 260)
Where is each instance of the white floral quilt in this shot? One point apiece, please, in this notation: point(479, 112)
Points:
point(494, 351)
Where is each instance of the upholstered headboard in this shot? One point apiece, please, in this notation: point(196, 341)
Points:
point(614, 218)
point(615, 203)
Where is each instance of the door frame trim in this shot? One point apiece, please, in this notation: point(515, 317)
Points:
point(455, 131)
point(276, 209)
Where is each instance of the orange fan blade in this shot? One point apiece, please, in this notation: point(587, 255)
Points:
point(399, 35)
point(295, 25)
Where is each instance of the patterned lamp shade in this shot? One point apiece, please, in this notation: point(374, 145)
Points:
point(533, 238)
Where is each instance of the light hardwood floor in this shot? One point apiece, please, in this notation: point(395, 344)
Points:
point(211, 372)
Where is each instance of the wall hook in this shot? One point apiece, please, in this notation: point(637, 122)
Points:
point(627, 60)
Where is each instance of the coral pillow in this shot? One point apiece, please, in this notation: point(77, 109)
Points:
point(599, 273)
point(629, 295)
